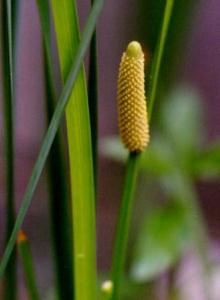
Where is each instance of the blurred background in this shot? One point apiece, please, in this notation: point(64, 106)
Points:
point(189, 94)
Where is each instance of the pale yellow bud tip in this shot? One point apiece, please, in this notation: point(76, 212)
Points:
point(107, 287)
point(134, 49)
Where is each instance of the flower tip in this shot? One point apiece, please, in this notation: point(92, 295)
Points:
point(134, 49)
point(107, 287)
point(21, 237)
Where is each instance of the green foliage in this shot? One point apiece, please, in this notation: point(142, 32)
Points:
point(176, 156)
point(207, 162)
point(7, 26)
point(51, 132)
point(59, 210)
point(162, 238)
point(80, 154)
point(28, 269)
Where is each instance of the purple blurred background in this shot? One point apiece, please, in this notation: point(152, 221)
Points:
point(201, 69)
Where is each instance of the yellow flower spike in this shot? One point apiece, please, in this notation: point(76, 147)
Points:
point(132, 108)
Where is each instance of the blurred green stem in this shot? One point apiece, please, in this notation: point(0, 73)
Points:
point(28, 266)
point(157, 59)
point(124, 220)
point(8, 87)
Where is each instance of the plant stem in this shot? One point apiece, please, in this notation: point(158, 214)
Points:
point(51, 132)
point(154, 76)
point(59, 205)
point(59, 210)
point(8, 86)
point(80, 154)
point(28, 266)
point(124, 220)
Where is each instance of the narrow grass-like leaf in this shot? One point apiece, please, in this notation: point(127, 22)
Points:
point(8, 85)
point(28, 266)
point(157, 59)
point(125, 213)
point(80, 154)
point(93, 100)
point(59, 206)
point(51, 132)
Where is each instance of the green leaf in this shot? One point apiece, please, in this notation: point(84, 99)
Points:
point(163, 237)
point(207, 163)
point(181, 121)
point(58, 183)
point(28, 267)
point(51, 132)
point(158, 56)
point(8, 116)
point(80, 154)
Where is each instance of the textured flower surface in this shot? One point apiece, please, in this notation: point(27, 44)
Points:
point(132, 109)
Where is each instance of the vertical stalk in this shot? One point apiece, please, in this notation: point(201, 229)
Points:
point(80, 155)
point(124, 220)
point(28, 266)
point(8, 86)
point(59, 206)
point(155, 72)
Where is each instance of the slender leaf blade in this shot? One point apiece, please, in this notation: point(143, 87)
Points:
point(80, 154)
point(8, 91)
point(59, 210)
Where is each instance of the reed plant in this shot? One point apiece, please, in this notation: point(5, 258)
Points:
point(141, 90)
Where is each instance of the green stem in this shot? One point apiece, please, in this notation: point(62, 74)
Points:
point(51, 132)
point(154, 76)
point(59, 210)
point(28, 267)
point(124, 220)
point(7, 61)
point(80, 154)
